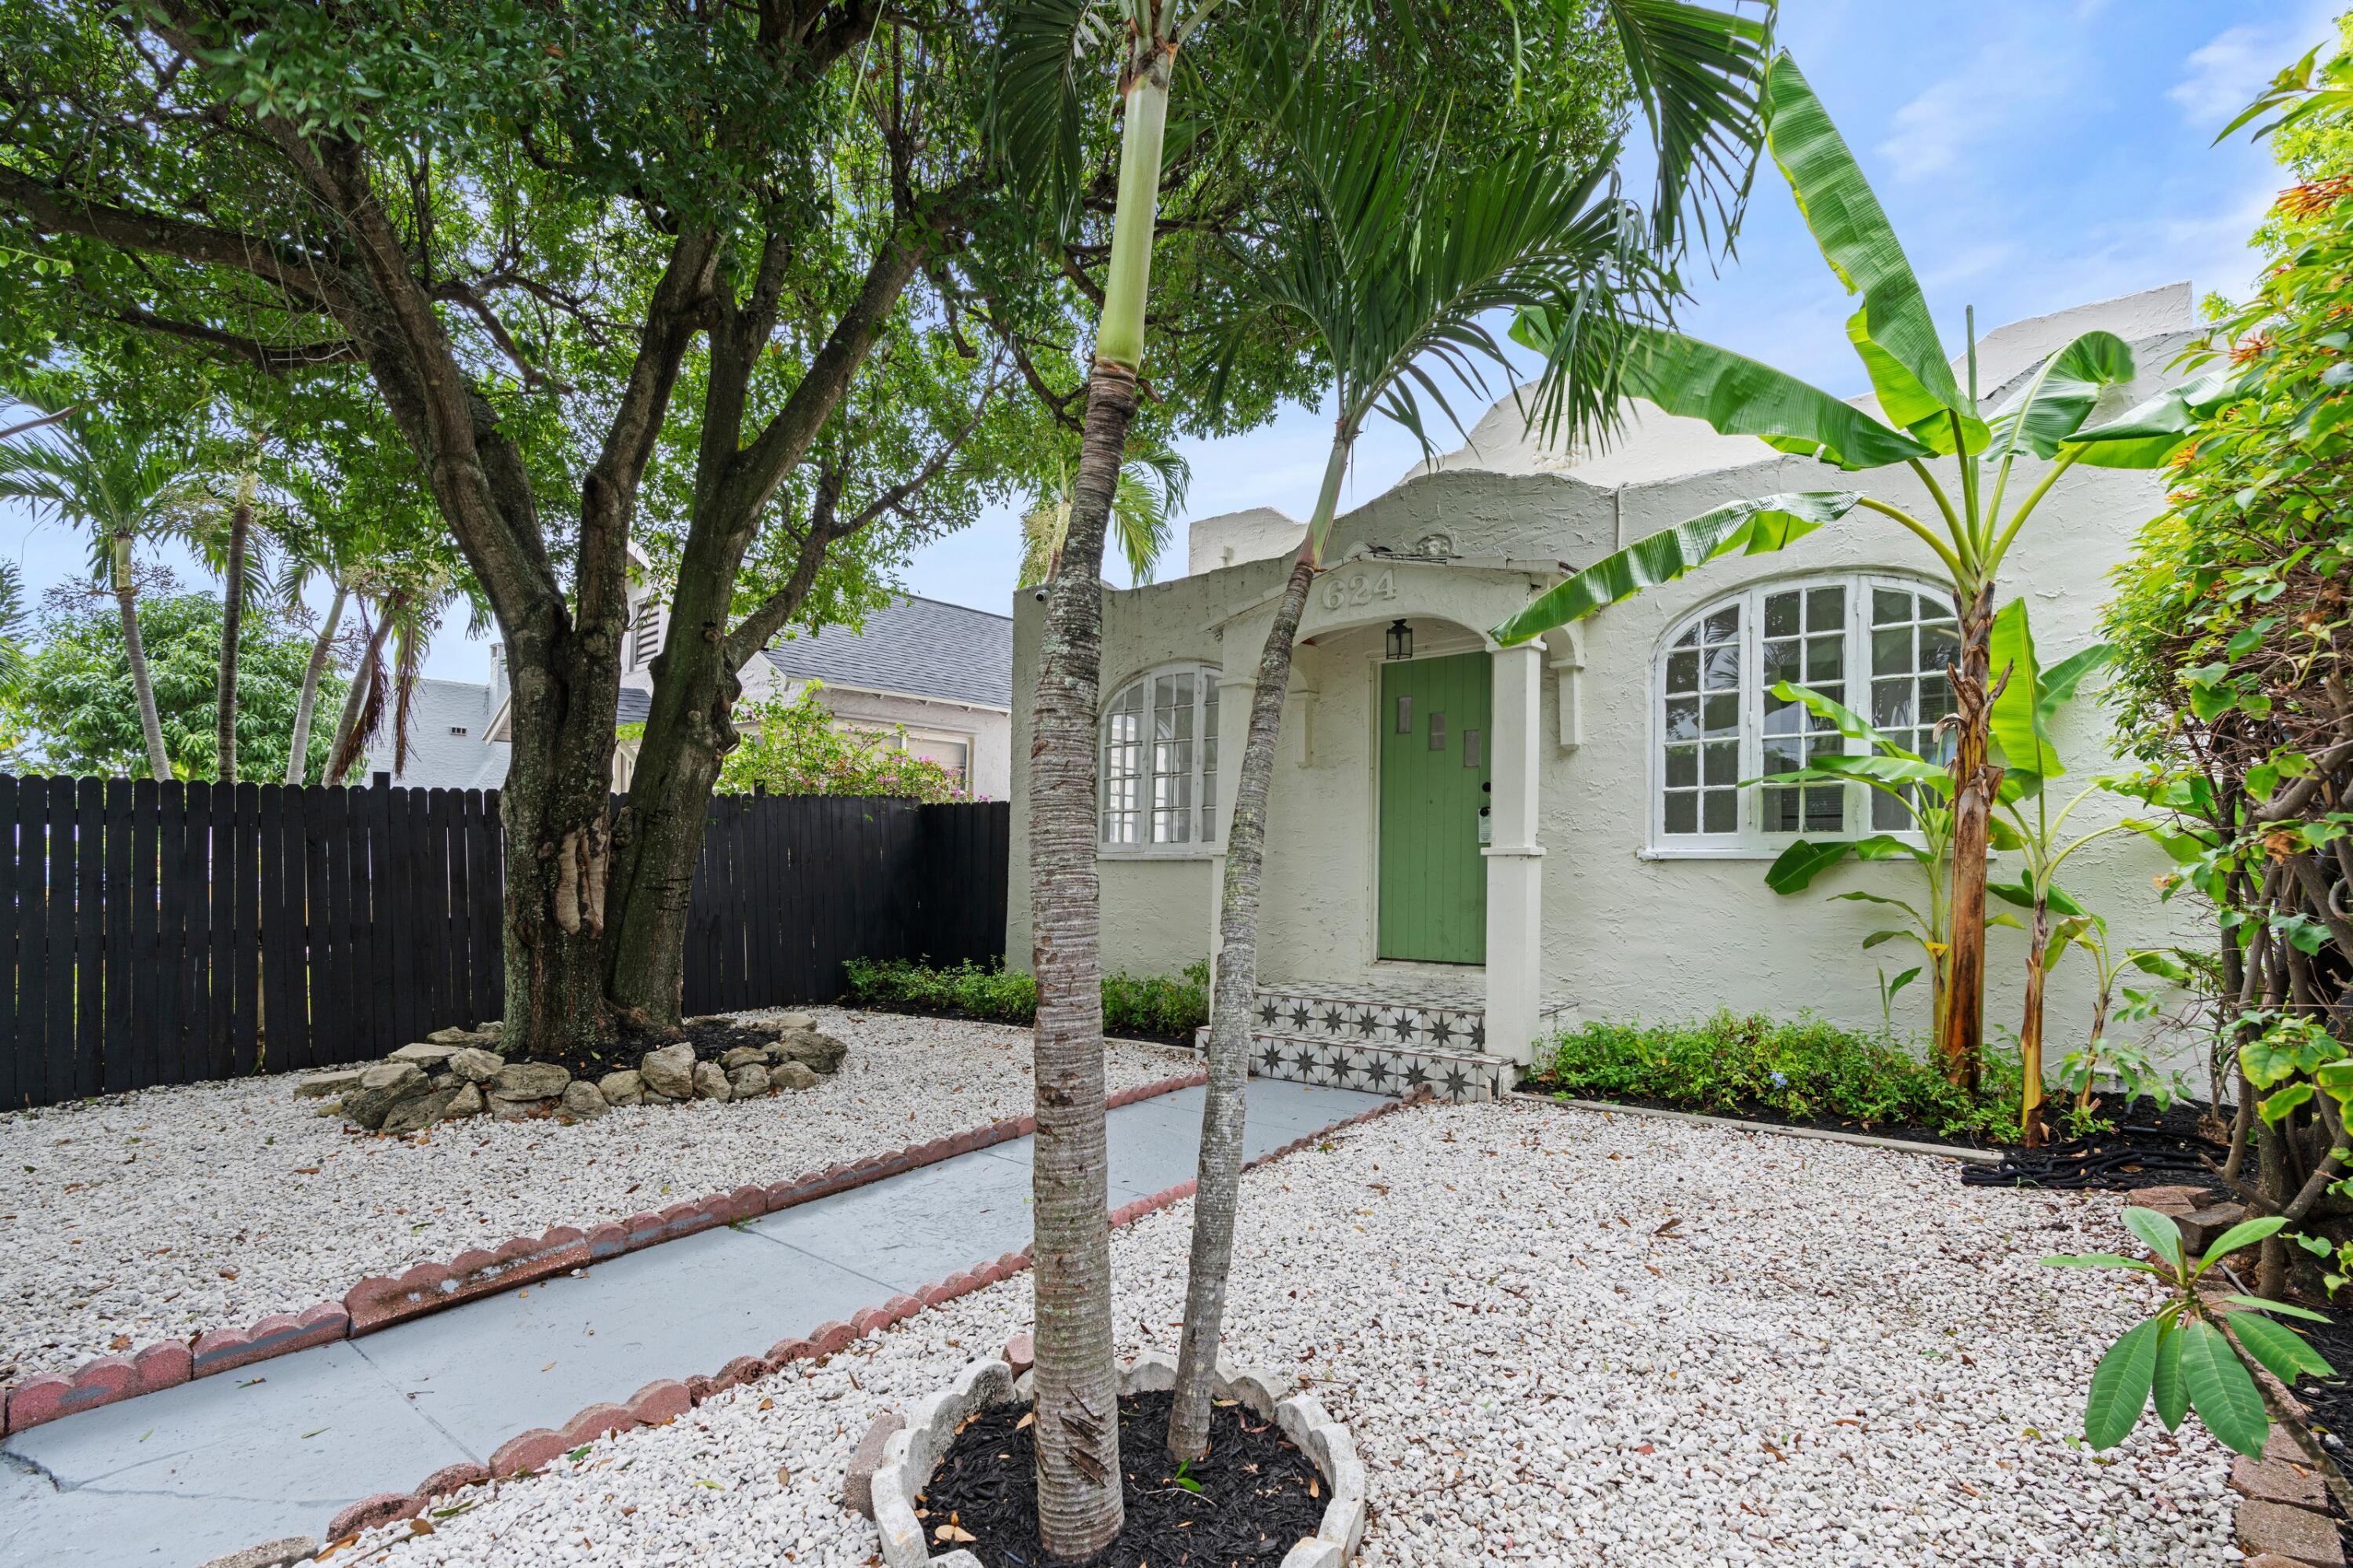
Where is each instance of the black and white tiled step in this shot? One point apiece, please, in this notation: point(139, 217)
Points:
point(1463, 1077)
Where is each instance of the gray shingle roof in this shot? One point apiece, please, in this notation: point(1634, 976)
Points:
point(439, 756)
point(919, 646)
point(635, 702)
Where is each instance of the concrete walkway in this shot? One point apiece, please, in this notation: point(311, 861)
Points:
point(181, 1476)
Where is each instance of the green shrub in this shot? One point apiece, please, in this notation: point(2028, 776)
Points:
point(1132, 1004)
point(1802, 1068)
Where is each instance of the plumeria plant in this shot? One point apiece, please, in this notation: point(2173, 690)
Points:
point(2192, 1355)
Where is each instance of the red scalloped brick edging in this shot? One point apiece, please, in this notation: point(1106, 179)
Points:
point(659, 1404)
point(376, 1302)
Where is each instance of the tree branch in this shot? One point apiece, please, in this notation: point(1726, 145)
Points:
point(274, 358)
point(54, 212)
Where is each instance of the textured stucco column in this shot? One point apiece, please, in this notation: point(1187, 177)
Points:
point(1515, 859)
point(1235, 689)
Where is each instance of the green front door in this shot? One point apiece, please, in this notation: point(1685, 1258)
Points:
point(1434, 746)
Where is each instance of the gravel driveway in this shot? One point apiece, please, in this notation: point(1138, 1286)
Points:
point(155, 1215)
point(1559, 1338)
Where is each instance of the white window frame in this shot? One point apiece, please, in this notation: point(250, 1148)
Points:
point(1751, 840)
point(1203, 838)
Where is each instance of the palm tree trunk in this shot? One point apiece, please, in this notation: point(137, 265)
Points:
point(2029, 1029)
point(1219, 1190)
point(298, 756)
point(142, 685)
point(1975, 782)
point(240, 524)
point(1079, 1506)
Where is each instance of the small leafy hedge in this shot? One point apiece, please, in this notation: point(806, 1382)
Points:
point(1162, 1006)
point(1803, 1069)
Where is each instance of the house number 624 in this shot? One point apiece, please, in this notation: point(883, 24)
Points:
point(1358, 589)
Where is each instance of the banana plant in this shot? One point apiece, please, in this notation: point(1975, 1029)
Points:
point(2078, 1071)
point(2192, 1356)
point(1963, 456)
point(2025, 705)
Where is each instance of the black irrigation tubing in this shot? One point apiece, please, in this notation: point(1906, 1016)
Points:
point(2133, 1157)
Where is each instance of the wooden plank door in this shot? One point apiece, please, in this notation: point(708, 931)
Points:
point(1434, 768)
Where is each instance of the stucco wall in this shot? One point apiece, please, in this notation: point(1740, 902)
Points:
point(1626, 933)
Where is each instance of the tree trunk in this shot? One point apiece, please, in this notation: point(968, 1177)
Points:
point(1219, 1190)
point(240, 524)
point(135, 649)
point(2029, 1030)
point(1975, 782)
point(555, 810)
point(298, 755)
point(1080, 1507)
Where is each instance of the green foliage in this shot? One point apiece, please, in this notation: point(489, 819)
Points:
point(2189, 1356)
point(1801, 1068)
point(795, 747)
point(1157, 1005)
point(75, 706)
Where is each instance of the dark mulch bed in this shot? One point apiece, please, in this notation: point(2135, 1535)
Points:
point(711, 1042)
point(1259, 1493)
point(2329, 1402)
point(1140, 1036)
point(2150, 1148)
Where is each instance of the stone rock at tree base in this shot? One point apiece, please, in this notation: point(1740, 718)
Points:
point(443, 1080)
point(319, 1086)
point(459, 1037)
point(475, 1064)
point(796, 1024)
point(467, 1101)
point(515, 1108)
point(711, 1082)
point(670, 1071)
point(747, 1081)
point(626, 1087)
point(416, 1115)
point(655, 1098)
point(792, 1076)
point(493, 1027)
point(427, 1054)
point(821, 1052)
point(380, 1088)
point(706, 1019)
point(530, 1080)
point(741, 1054)
point(858, 1486)
point(583, 1100)
point(2200, 1228)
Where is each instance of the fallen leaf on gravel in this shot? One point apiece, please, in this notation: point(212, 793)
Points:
point(949, 1531)
point(1025, 1421)
point(784, 1475)
point(420, 1527)
point(120, 1342)
point(767, 1404)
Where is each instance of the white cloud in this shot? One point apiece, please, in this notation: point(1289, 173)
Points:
point(1933, 133)
point(2221, 75)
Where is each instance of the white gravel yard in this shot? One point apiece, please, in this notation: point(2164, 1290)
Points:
point(153, 1215)
point(1558, 1337)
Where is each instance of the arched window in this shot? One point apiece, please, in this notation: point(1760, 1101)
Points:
point(1878, 645)
point(1160, 761)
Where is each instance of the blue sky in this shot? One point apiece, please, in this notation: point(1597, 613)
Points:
point(2032, 153)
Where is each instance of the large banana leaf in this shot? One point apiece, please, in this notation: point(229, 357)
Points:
point(1741, 397)
point(2018, 720)
point(1757, 527)
point(1796, 867)
point(2050, 409)
point(1892, 331)
point(1844, 719)
point(2145, 436)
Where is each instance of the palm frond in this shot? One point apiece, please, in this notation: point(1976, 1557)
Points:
point(1698, 75)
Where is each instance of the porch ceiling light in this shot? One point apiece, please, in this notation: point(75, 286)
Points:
point(1400, 640)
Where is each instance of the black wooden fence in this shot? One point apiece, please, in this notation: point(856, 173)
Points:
point(166, 933)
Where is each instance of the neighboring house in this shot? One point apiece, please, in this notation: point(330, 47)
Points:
point(1618, 872)
point(935, 678)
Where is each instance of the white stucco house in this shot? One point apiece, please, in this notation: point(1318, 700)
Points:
point(1470, 845)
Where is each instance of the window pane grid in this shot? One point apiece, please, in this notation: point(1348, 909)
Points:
point(1159, 760)
point(1701, 734)
point(1805, 634)
point(1914, 638)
